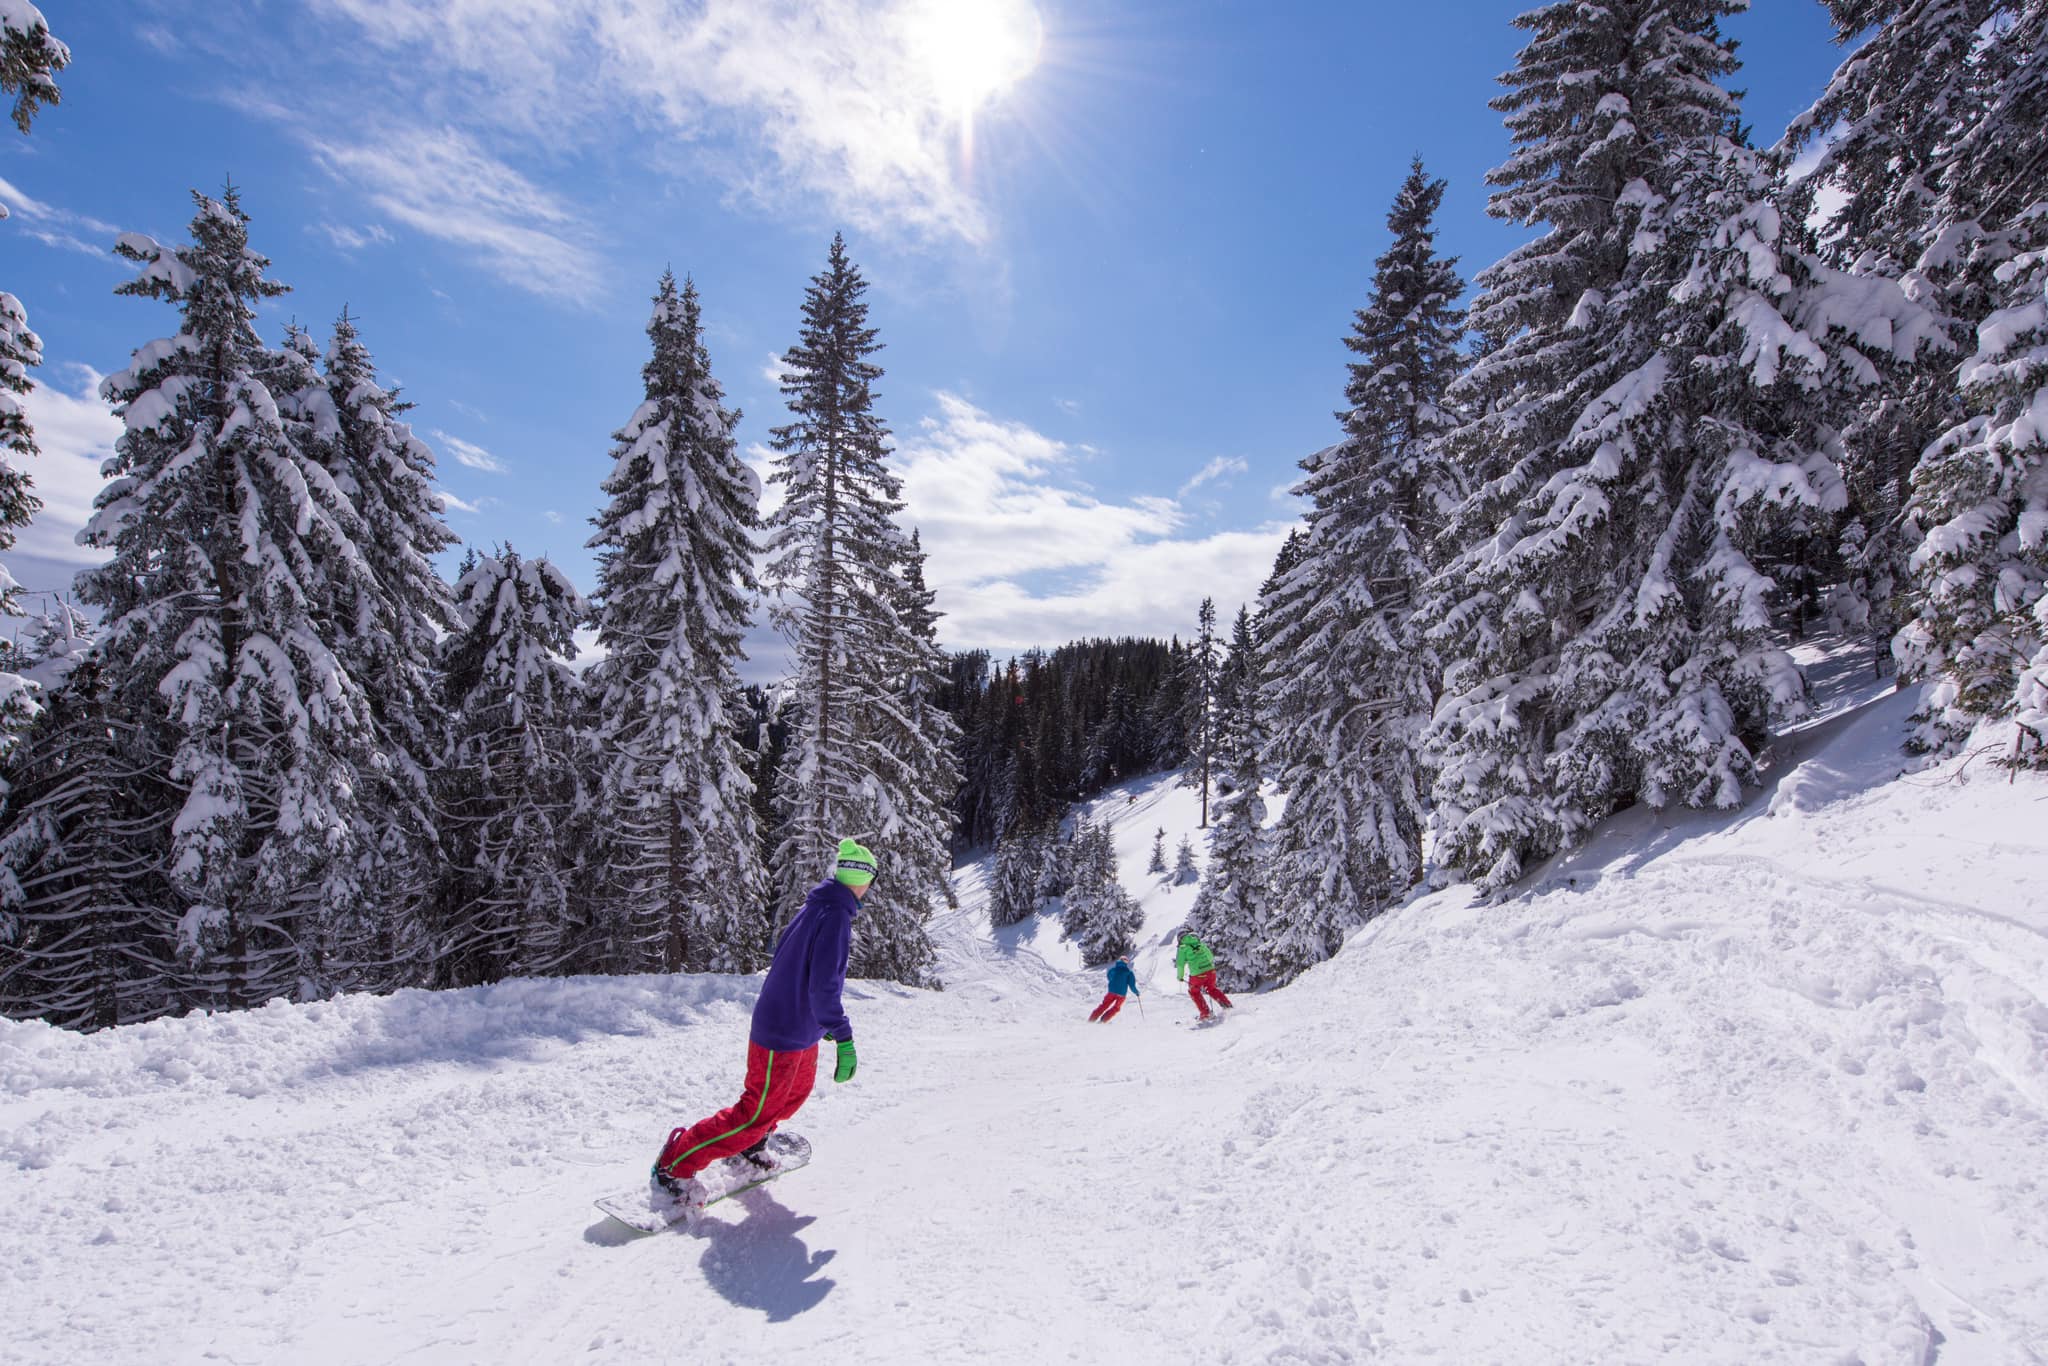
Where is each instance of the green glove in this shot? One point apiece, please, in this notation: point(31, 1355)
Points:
point(847, 1062)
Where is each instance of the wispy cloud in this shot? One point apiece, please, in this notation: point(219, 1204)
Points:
point(1070, 406)
point(454, 504)
point(1221, 467)
point(474, 414)
point(469, 453)
point(353, 239)
point(831, 100)
point(56, 227)
point(442, 183)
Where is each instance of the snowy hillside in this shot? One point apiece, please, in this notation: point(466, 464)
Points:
point(1764, 1088)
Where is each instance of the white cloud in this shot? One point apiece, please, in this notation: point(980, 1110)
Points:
point(442, 183)
point(454, 504)
point(1218, 468)
point(773, 371)
point(75, 433)
point(836, 100)
point(355, 239)
point(1021, 554)
point(54, 226)
point(469, 453)
point(554, 518)
point(1070, 406)
point(473, 414)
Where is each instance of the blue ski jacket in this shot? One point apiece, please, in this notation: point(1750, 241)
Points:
point(800, 1001)
point(1122, 980)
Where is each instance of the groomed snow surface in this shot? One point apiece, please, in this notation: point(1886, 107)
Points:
point(1762, 1087)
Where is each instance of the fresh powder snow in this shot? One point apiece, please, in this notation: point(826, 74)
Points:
point(1766, 1085)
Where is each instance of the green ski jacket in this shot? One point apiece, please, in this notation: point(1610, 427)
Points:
point(1194, 956)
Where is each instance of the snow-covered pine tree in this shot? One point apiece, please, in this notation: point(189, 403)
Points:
point(675, 571)
point(1185, 869)
point(1347, 710)
point(229, 546)
point(915, 794)
point(1885, 138)
point(386, 623)
point(1200, 675)
point(1234, 909)
point(1658, 400)
point(86, 939)
point(20, 349)
point(1097, 913)
point(30, 58)
point(1158, 864)
point(1942, 168)
point(836, 564)
point(509, 780)
point(1019, 866)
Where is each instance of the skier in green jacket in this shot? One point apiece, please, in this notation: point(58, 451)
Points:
point(1197, 966)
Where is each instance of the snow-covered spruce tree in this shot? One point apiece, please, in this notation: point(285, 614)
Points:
point(29, 60)
point(674, 813)
point(1200, 675)
point(836, 565)
point(921, 740)
point(1885, 139)
point(1347, 707)
point(229, 546)
point(1939, 157)
point(509, 780)
point(1185, 869)
point(1158, 864)
point(386, 624)
point(1656, 401)
point(1013, 894)
point(1234, 910)
point(1981, 493)
point(20, 349)
point(1097, 913)
point(86, 941)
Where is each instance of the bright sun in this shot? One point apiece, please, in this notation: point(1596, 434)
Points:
point(973, 51)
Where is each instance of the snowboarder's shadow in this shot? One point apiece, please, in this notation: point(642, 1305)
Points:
point(758, 1262)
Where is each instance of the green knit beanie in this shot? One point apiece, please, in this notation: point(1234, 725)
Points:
point(856, 865)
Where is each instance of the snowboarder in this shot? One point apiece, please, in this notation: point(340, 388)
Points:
point(1197, 965)
point(799, 1004)
point(1121, 980)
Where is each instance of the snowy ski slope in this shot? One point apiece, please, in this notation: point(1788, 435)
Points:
point(1769, 1087)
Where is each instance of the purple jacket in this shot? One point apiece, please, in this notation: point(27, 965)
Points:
point(799, 1002)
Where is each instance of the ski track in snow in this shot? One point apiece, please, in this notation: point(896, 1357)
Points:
point(1766, 1086)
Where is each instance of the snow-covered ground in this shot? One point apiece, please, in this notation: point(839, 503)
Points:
point(1762, 1087)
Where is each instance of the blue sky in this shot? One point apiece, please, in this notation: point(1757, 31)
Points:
point(1112, 326)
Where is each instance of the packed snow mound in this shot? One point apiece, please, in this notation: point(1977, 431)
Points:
point(1769, 1086)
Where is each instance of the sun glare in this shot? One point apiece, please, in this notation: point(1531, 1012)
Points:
point(974, 51)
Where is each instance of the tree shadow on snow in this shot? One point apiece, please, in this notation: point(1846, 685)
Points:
point(758, 1262)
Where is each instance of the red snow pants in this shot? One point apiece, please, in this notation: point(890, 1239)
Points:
point(1206, 981)
point(777, 1086)
point(1111, 1004)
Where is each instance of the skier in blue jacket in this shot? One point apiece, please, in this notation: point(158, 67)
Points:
point(799, 1004)
point(1121, 980)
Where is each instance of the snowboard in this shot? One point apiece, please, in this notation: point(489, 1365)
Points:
point(651, 1209)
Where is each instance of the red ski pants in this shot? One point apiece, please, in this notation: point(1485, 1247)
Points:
point(1206, 981)
point(777, 1086)
point(1111, 1004)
